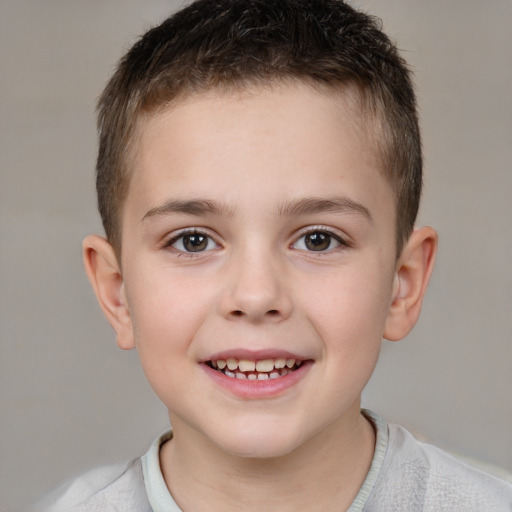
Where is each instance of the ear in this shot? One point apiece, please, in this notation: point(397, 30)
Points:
point(413, 271)
point(104, 273)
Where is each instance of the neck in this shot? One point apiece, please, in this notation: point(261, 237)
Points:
point(324, 473)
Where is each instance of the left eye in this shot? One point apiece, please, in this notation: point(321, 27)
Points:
point(193, 242)
point(317, 241)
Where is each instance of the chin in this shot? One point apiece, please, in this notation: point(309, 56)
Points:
point(259, 443)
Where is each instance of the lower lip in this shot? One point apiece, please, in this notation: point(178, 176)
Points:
point(258, 389)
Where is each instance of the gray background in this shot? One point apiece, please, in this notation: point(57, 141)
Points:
point(70, 400)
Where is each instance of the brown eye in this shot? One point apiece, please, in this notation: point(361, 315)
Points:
point(317, 241)
point(193, 242)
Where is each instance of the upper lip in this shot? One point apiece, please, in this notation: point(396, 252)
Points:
point(254, 355)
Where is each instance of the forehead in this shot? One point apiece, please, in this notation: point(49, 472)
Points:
point(221, 142)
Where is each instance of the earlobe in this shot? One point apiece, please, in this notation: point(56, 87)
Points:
point(106, 278)
point(413, 272)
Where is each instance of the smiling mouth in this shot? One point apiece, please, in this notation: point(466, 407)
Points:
point(264, 369)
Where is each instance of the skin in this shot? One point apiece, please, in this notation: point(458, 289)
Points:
point(260, 159)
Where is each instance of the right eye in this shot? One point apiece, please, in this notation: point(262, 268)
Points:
point(192, 242)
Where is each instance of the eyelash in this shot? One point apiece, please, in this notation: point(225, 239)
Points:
point(316, 230)
point(188, 233)
point(313, 230)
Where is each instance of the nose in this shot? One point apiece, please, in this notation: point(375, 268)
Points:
point(256, 289)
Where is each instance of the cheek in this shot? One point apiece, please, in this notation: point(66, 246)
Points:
point(350, 312)
point(165, 319)
point(164, 324)
point(351, 327)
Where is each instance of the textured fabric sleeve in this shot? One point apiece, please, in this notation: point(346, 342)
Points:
point(418, 477)
point(107, 489)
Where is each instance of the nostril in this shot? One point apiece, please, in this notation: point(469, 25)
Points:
point(270, 312)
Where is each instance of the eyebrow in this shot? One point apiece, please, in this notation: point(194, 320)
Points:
point(305, 206)
point(195, 207)
point(312, 205)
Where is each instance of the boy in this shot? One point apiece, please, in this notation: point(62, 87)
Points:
point(258, 177)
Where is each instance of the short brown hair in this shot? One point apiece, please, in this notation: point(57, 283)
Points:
point(235, 43)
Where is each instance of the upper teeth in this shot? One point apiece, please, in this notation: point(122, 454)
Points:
point(246, 365)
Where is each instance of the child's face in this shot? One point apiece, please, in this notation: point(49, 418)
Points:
point(258, 227)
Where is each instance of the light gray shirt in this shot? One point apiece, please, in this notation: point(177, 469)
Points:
point(405, 476)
